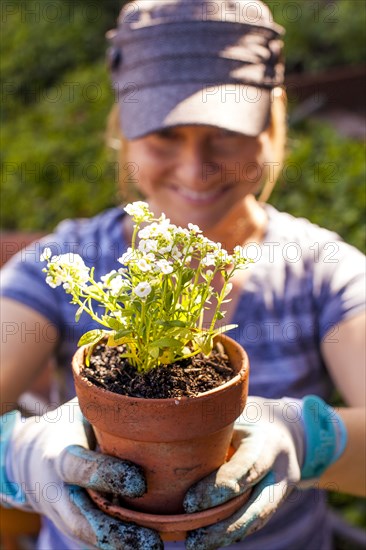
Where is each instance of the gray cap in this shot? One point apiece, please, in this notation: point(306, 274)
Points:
point(176, 62)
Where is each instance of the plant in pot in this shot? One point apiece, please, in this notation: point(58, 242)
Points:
point(158, 386)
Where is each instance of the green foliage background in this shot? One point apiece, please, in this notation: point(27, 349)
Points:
point(56, 97)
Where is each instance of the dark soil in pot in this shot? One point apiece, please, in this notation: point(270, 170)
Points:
point(186, 378)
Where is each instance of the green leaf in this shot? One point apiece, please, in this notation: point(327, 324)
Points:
point(111, 322)
point(168, 299)
point(78, 313)
point(154, 351)
point(174, 323)
point(120, 337)
point(187, 276)
point(91, 337)
point(167, 343)
point(207, 345)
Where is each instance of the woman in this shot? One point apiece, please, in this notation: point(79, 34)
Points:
point(202, 115)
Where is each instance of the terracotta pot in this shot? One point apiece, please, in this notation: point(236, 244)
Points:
point(171, 527)
point(176, 441)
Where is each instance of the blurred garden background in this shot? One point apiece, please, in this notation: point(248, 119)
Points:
point(56, 97)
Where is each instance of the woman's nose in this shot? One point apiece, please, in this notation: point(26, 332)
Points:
point(195, 168)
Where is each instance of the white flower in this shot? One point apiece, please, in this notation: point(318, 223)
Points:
point(165, 248)
point(69, 269)
point(148, 245)
point(144, 233)
point(142, 290)
point(176, 253)
point(138, 209)
point(239, 257)
point(194, 228)
point(164, 266)
point(117, 284)
point(143, 265)
point(126, 257)
point(155, 230)
point(46, 255)
point(52, 282)
point(105, 278)
point(210, 259)
point(180, 232)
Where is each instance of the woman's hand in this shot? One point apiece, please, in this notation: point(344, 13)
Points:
point(278, 444)
point(48, 462)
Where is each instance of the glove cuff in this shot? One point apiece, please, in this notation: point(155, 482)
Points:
point(10, 492)
point(325, 436)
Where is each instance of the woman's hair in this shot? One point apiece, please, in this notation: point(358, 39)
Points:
point(278, 135)
point(277, 131)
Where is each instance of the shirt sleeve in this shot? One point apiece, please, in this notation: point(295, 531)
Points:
point(23, 280)
point(339, 283)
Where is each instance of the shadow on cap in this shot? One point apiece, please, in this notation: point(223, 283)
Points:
point(176, 62)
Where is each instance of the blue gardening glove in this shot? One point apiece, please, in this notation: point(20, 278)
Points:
point(280, 445)
point(45, 462)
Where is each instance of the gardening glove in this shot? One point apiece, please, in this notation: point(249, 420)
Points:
point(45, 462)
point(279, 445)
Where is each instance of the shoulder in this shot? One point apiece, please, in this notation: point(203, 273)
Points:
point(95, 239)
point(303, 240)
point(79, 230)
point(290, 228)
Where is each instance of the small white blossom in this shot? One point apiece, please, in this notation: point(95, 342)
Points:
point(157, 230)
point(210, 259)
point(194, 228)
point(126, 257)
point(143, 265)
point(142, 290)
point(176, 253)
point(52, 282)
point(148, 245)
point(164, 266)
point(144, 233)
point(105, 278)
point(46, 255)
point(138, 209)
point(117, 284)
point(165, 248)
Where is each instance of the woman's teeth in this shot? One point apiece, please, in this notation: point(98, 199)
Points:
point(199, 196)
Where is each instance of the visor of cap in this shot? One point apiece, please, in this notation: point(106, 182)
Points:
point(236, 107)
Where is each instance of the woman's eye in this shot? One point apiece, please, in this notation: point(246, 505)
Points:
point(167, 134)
point(226, 134)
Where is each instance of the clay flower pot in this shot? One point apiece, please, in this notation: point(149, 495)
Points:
point(176, 441)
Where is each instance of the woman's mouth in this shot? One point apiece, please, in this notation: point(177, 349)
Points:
point(200, 197)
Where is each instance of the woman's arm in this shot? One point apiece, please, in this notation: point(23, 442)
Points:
point(27, 342)
point(344, 353)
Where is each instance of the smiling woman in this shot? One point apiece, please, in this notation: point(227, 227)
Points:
point(203, 137)
point(206, 170)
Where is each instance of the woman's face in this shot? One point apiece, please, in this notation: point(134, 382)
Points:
point(197, 173)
